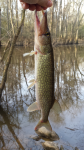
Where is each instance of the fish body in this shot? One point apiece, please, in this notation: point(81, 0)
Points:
point(44, 71)
point(44, 77)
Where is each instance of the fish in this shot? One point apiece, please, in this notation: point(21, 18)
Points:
point(44, 73)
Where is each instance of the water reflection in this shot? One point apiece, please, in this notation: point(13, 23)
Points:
point(16, 124)
point(10, 125)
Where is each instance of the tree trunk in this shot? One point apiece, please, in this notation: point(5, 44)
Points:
point(8, 15)
point(52, 25)
point(56, 10)
point(76, 40)
point(11, 17)
point(0, 26)
point(17, 13)
point(60, 20)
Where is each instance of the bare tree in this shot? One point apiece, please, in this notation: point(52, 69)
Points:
point(0, 26)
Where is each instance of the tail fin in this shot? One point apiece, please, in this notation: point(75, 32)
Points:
point(45, 124)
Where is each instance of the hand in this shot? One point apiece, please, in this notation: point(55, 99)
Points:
point(36, 4)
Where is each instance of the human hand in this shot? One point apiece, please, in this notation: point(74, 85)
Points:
point(36, 4)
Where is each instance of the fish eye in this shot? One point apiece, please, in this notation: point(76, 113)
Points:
point(47, 33)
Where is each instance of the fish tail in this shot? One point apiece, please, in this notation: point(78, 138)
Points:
point(43, 124)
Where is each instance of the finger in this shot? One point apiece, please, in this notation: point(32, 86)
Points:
point(24, 5)
point(44, 8)
point(38, 7)
point(32, 7)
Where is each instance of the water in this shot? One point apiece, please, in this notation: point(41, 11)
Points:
point(17, 125)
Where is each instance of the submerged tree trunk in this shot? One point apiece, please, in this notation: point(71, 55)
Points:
point(9, 56)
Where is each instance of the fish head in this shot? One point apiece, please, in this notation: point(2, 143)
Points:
point(42, 34)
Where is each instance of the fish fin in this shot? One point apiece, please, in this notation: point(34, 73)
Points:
point(43, 124)
point(33, 107)
point(56, 107)
point(31, 53)
point(32, 80)
point(32, 84)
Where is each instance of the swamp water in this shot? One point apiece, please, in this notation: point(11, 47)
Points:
point(17, 125)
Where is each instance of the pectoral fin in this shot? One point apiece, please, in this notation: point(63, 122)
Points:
point(32, 84)
point(33, 107)
point(31, 53)
point(56, 108)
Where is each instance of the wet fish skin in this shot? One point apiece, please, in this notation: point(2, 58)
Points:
point(45, 83)
point(44, 71)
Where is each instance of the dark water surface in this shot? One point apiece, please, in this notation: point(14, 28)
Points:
point(17, 125)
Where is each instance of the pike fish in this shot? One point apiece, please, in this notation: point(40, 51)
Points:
point(44, 72)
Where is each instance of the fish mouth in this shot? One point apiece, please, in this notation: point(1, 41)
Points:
point(41, 28)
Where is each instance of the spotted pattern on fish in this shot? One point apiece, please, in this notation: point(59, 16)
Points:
point(45, 82)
